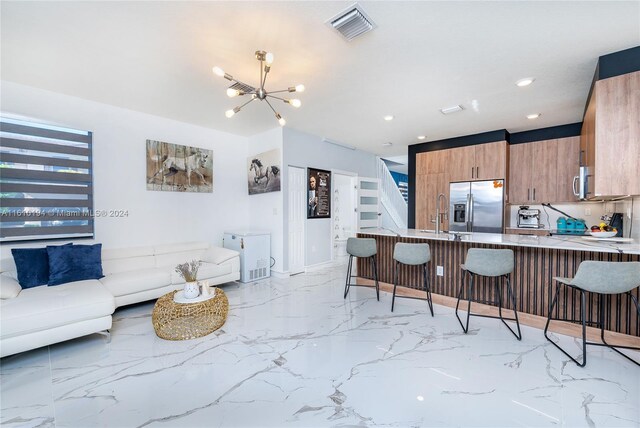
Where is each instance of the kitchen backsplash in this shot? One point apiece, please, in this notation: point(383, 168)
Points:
point(590, 212)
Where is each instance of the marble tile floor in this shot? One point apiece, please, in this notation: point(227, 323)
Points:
point(295, 353)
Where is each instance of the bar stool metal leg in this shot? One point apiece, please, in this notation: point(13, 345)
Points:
point(465, 329)
point(427, 287)
point(348, 282)
point(601, 321)
point(375, 276)
point(513, 302)
point(554, 302)
point(395, 284)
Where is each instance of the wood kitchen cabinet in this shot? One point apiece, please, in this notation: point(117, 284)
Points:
point(568, 168)
point(480, 162)
point(543, 171)
point(428, 187)
point(610, 139)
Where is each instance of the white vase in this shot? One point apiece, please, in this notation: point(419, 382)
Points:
point(191, 290)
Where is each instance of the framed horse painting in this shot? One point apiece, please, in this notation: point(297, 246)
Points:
point(176, 168)
point(263, 172)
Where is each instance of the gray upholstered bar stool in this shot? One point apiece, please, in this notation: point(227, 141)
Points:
point(414, 255)
point(362, 247)
point(604, 279)
point(496, 264)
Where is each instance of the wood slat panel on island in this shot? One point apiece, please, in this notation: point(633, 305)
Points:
point(532, 279)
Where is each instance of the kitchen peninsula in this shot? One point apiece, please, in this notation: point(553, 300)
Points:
point(537, 260)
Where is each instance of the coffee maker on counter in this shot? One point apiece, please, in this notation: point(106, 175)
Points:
point(529, 218)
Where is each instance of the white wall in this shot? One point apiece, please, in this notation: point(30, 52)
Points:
point(305, 150)
point(119, 150)
point(265, 209)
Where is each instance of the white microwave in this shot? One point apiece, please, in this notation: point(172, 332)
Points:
point(581, 183)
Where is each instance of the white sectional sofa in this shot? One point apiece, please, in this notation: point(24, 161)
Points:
point(41, 316)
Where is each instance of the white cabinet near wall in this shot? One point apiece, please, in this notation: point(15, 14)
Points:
point(369, 214)
point(255, 253)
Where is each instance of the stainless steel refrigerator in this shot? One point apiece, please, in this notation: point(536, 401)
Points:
point(476, 206)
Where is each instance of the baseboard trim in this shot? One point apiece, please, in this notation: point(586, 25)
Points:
point(279, 274)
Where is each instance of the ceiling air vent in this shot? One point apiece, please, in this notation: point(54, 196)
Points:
point(352, 22)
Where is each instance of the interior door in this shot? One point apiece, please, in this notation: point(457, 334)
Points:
point(369, 214)
point(297, 215)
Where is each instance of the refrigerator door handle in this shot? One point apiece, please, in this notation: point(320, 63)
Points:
point(468, 212)
point(471, 213)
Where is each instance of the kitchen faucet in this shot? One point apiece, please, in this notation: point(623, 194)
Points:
point(440, 216)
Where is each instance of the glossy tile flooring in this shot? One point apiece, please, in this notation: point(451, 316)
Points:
point(294, 353)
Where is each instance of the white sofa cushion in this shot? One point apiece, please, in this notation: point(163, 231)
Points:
point(219, 255)
point(42, 308)
point(206, 271)
point(174, 254)
point(123, 283)
point(9, 287)
point(127, 259)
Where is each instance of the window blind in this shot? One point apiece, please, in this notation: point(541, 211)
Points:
point(46, 182)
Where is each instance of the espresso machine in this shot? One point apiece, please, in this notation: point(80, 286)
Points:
point(528, 218)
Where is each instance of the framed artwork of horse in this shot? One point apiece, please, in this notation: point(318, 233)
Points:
point(177, 168)
point(264, 172)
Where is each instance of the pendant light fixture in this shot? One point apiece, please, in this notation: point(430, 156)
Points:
point(239, 89)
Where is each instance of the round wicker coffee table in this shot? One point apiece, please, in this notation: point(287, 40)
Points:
point(183, 321)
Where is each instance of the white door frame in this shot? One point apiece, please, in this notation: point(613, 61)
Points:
point(348, 174)
point(301, 207)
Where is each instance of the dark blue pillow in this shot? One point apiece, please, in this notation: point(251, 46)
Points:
point(32, 265)
point(74, 263)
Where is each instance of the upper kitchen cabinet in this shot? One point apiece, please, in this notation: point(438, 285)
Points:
point(480, 162)
point(432, 162)
point(491, 161)
point(568, 168)
point(610, 144)
point(543, 171)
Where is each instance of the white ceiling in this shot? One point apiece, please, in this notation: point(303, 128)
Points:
point(156, 57)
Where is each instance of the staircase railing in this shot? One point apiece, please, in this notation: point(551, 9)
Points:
point(391, 197)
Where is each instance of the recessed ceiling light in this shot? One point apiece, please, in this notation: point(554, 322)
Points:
point(387, 144)
point(450, 110)
point(388, 117)
point(421, 137)
point(533, 116)
point(420, 398)
point(525, 82)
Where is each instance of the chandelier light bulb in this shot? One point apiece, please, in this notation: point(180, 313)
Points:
point(269, 58)
point(281, 120)
point(218, 71)
point(295, 102)
point(232, 92)
point(229, 113)
point(300, 88)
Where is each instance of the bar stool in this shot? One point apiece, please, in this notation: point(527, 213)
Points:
point(497, 264)
point(362, 247)
point(413, 255)
point(604, 279)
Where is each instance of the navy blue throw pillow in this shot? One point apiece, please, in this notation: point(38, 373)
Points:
point(32, 265)
point(74, 263)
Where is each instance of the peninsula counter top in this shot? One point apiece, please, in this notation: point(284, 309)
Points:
point(556, 242)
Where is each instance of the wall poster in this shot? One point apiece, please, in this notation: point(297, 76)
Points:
point(319, 193)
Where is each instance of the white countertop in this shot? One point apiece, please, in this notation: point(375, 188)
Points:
point(556, 242)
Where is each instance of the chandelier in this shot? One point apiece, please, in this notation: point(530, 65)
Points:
point(239, 88)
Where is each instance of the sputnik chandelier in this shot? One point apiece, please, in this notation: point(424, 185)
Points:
point(239, 88)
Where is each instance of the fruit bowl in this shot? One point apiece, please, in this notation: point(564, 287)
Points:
point(603, 234)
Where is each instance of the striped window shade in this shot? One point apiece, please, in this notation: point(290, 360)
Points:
point(46, 182)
